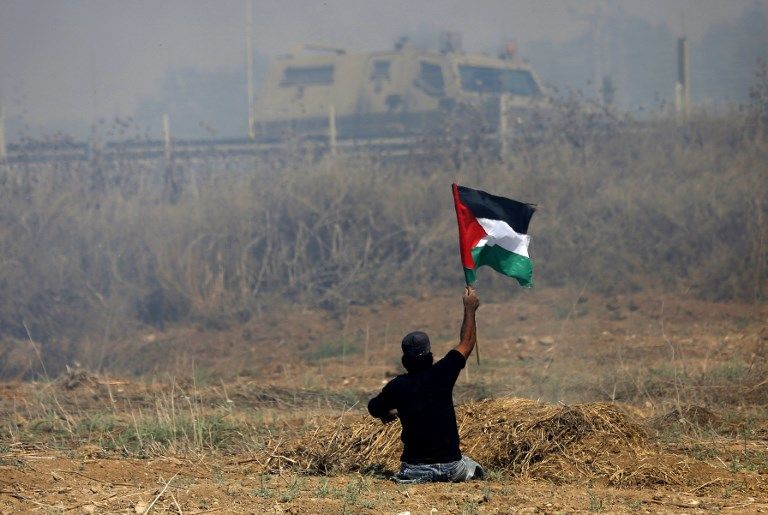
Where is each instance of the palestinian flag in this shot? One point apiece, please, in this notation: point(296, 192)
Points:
point(493, 231)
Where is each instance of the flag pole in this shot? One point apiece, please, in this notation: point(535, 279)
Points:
point(455, 189)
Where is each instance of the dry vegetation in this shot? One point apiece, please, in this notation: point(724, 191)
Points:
point(97, 249)
point(260, 301)
point(527, 439)
point(95, 444)
point(681, 424)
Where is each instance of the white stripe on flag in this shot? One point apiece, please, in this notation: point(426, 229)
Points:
point(502, 234)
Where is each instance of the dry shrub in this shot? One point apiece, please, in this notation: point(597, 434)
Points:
point(687, 417)
point(98, 247)
point(77, 378)
point(565, 444)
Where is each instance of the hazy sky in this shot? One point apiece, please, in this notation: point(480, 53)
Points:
point(75, 60)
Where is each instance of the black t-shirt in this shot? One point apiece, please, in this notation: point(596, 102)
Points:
point(424, 402)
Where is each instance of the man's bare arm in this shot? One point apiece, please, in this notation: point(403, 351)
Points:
point(468, 335)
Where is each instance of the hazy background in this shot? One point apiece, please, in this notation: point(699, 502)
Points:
point(65, 65)
point(97, 252)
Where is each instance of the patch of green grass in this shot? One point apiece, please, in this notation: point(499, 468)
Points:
point(702, 453)
point(351, 494)
point(49, 424)
point(322, 489)
point(507, 490)
point(184, 481)
point(148, 435)
point(354, 489)
point(14, 462)
point(97, 423)
point(293, 489)
point(368, 504)
point(741, 322)
point(735, 369)
point(748, 462)
point(596, 504)
point(264, 491)
point(664, 371)
point(494, 476)
point(331, 349)
point(218, 475)
point(759, 462)
point(671, 434)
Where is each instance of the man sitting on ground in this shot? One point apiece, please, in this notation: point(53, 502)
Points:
point(423, 400)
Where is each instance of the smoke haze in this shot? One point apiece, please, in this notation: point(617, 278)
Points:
point(66, 64)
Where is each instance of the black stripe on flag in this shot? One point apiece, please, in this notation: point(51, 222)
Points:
point(484, 205)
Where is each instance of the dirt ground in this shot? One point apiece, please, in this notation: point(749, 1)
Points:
point(52, 482)
point(190, 435)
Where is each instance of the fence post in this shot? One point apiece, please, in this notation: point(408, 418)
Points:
point(3, 149)
point(332, 130)
point(503, 126)
point(167, 142)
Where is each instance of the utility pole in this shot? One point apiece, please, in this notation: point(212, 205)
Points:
point(249, 66)
point(683, 86)
point(598, 54)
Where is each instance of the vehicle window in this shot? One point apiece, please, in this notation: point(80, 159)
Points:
point(307, 75)
point(380, 70)
point(431, 77)
point(484, 79)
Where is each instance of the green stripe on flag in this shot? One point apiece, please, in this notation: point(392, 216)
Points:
point(503, 261)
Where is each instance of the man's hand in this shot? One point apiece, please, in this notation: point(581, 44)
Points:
point(470, 299)
point(390, 416)
point(468, 336)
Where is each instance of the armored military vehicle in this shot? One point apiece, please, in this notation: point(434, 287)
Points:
point(406, 91)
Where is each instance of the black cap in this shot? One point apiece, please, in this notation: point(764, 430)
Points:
point(416, 344)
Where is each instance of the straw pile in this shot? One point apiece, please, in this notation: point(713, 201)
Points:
point(579, 443)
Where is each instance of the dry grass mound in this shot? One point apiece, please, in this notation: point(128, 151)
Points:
point(581, 443)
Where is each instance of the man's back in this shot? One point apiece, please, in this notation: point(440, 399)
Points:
point(423, 400)
point(424, 403)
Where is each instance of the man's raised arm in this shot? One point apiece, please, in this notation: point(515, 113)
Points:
point(468, 335)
